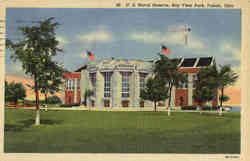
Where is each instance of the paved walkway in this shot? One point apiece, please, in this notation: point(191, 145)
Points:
point(117, 109)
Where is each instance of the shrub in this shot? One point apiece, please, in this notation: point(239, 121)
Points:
point(210, 108)
point(70, 105)
point(54, 100)
point(204, 108)
point(188, 108)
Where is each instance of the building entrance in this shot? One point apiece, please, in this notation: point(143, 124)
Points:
point(125, 103)
point(106, 103)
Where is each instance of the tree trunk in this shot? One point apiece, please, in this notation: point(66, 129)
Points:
point(221, 101)
point(46, 98)
point(170, 94)
point(200, 108)
point(222, 96)
point(16, 101)
point(169, 111)
point(155, 106)
point(88, 105)
point(37, 121)
point(220, 112)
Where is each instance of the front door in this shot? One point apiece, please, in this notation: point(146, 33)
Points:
point(181, 100)
point(125, 103)
point(92, 103)
point(142, 104)
point(106, 103)
point(69, 101)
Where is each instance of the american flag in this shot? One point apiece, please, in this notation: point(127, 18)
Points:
point(90, 55)
point(165, 50)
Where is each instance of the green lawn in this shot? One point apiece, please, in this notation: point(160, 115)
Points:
point(121, 132)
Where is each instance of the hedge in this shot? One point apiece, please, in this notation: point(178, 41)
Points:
point(70, 105)
point(204, 108)
point(188, 108)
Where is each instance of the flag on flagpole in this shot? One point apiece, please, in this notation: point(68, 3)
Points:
point(90, 55)
point(165, 50)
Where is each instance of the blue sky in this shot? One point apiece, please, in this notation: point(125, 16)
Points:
point(134, 33)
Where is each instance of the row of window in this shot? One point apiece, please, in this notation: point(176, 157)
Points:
point(107, 83)
point(70, 84)
point(185, 83)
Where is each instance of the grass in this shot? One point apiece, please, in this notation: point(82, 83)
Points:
point(121, 132)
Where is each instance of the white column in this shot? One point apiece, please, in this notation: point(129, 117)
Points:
point(190, 89)
point(84, 83)
point(63, 91)
point(75, 90)
point(116, 88)
point(136, 89)
point(99, 90)
point(172, 103)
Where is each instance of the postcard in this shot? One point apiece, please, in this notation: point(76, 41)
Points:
point(124, 80)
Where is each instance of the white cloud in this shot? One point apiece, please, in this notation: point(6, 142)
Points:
point(100, 35)
point(228, 48)
point(62, 40)
point(83, 55)
point(173, 38)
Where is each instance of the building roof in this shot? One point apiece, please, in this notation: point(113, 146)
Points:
point(205, 61)
point(196, 62)
point(188, 62)
point(81, 68)
point(184, 62)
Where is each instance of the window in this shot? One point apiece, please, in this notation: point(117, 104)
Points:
point(185, 83)
point(78, 83)
point(125, 84)
point(67, 84)
point(93, 81)
point(142, 80)
point(72, 84)
point(107, 83)
point(181, 100)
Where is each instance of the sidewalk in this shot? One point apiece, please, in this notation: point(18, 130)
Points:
point(145, 109)
point(83, 108)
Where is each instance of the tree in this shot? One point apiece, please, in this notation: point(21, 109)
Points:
point(51, 80)
point(54, 100)
point(154, 91)
point(88, 94)
point(6, 91)
point(206, 85)
point(14, 92)
point(167, 69)
point(38, 46)
point(226, 77)
point(225, 98)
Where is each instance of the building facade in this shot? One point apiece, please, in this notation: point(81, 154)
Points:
point(117, 83)
point(71, 88)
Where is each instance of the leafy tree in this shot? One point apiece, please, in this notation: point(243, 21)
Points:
point(167, 69)
point(54, 100)
point(6, 91)
point(154, 91)
point(87, 95)
point(14, 92)
point(206, 85)
point(51, 80)
point(226, 77)
point(225, 98)
point(38, 46)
